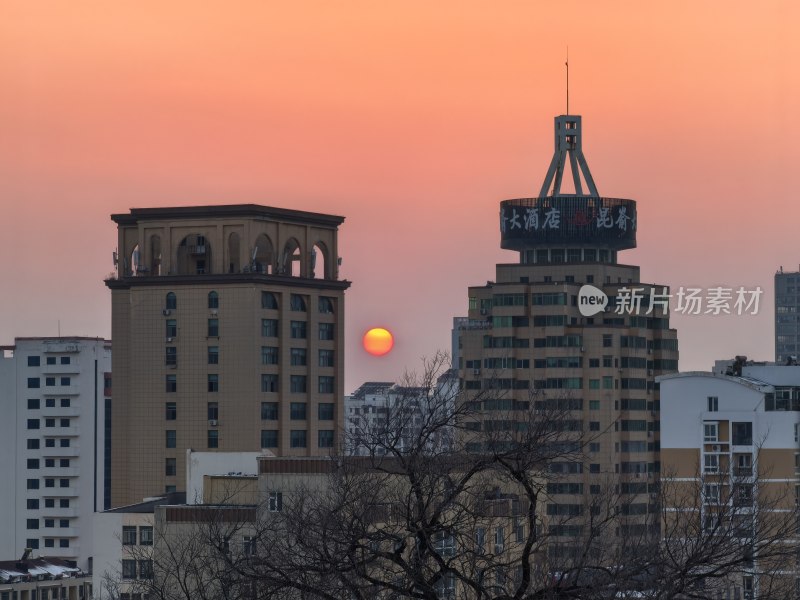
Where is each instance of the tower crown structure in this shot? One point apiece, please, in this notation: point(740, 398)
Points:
point(560, 220)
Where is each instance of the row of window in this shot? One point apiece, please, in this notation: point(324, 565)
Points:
point(35, 403)
point(269, 328)
point(49, 463)
point(34, 443)
point(33, 544)
point(326, 384)
point(269, 412)
point(269, 439)
point(137, 569)
point(33, 503)
point(269, 300)
point(35, 360)
point(269, 356)
point(49, 422)
point(33, 484)
point(36, 382)
point(129, 535)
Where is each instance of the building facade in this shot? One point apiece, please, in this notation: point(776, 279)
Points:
point(43, 579)
point(787, 323)
point(229, 337)
point(733, 434)
point(54, 393)
point(532, 341)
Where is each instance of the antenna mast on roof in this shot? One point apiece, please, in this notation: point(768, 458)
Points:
point(567, 64)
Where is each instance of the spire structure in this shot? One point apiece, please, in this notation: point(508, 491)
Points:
point(568, 144)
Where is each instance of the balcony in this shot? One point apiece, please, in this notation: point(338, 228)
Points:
point(59, 452)
point(62, 432)
point(60, 492)
point(57, 412)
point(60, 472)
point(60, 513)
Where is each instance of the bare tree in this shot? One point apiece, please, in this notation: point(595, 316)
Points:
point(451, 503)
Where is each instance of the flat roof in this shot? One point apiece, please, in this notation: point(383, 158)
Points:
point(226, 210)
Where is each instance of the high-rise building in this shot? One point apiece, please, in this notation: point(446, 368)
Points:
point(54, 393)
point(538, 338)
point(229, 328)
point(787, 323)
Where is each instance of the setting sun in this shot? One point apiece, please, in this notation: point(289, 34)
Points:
point(378, 341)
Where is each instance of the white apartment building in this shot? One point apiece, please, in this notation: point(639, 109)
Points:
point(55, 400)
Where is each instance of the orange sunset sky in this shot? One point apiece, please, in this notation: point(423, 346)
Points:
point(411, 119)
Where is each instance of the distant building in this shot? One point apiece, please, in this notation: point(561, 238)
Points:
point(55, 397)
point(46, 578)
point(229, 324)
point(123, 542)
point(734, 434)
point(787, 315)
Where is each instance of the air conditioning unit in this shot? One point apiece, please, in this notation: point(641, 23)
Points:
point(166, 312)
point(214, 312)
point(169, 340)
point(476, 372)
point(583, 349)
point(716, 448)
point(213, 422)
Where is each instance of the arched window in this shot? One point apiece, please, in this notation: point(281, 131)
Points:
point(325, 305)
point(291, 259)
point(268, 300)
point(298, 303)
point(234, 256)
point(213, 300)
point(320, 269)
point(155, 255)
point(172, 301)
point(263, 258)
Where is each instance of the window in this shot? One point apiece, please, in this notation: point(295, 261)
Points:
point(742, 434)
point(33, 444)
point(213, 300)
point(711, 493)
point(49, 463)
point(33, 463)
point(171, 411)
point(326, 384)
point(298, 356)
point(33, 504)
point(710, 432)
point(594, 425)
point(325, 411)
point(172, 438)
point(326, 358)
point(213, 328)
point(594, 384)
point(172, 328)
point(298, 329)
point(326, 331)
point(297, 303)
point(213, 438)
point(128, 568)
point(275, 502)
point(33, 544)
point(33, 484)
point(65, 381)
point(269, 411)
point(213, 355)
point(49, 422)
point(269, 327)
point(32, 524)
point(63, 463)
point(325, 305)
point(298, 384)
point(594, 404)
point(64, 423)
point(64, 483)
point(170, 467)
point(33, 382)
point(64, 443)
point(171, 384)
point(33, 403)
point(325, 438)
point(269, 383)
point(49, 543)
point(608, 340)
point(49, 443)
point(297, 411)
point(146, 536)
point(213, 383)
point(146, 569)
point(171, 358)
point(50, 402)
point(269, 438)
point(269, 300)
point(51, 360)
point(65, 403)
point(269, 355)
point(213, 411)
point(33, 361)
point(33, 423)
point(499, 540)
point(713, 404)
point(171, 301)
point(62, 503)
point(297, 438)
point(711, 463)
point(128, 535)
point(608, 383)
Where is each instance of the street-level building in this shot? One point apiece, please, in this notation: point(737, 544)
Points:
point(229, 328)
point(55, 394)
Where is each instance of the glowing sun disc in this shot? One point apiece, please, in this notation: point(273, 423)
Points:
point(378, 341)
